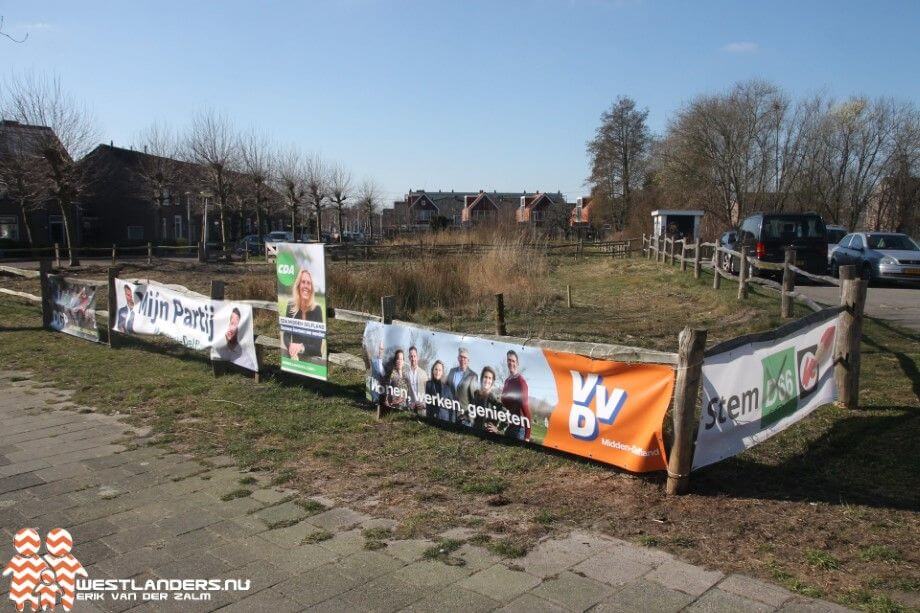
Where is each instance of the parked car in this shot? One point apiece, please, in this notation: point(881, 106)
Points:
point(252, 244)
point(834, 234)
point(765, 237)
point(879, 255)
point(278, 236)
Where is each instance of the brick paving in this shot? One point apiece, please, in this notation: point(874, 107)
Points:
point(138, 511)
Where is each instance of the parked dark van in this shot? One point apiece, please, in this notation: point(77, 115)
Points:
point(765, 236)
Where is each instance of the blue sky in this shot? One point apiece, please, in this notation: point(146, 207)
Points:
point(451, 95)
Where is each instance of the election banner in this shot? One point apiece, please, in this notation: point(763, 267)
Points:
point(196, 322)
point(301, 272)
point(608, 411)
point(758, 385)
point(73, 308)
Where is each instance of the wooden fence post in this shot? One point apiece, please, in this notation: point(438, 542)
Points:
point(785, 309)
point(683, 256)
point(691, 347)
point(387, 313)
point(671, 252)
point(716, 269)
point(697, 256)
point(500, 315)
point(44, 267)
point(568, 296)
point(149, 254)
point(113, 308)
point(57, 255)
point(849, 335)
point(114, 248)
point(257, 375)
point(217, 293)
point(742, 276)
point(628, 249)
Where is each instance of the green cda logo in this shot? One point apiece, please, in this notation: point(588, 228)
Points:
point(780, 387)
point(286, 267)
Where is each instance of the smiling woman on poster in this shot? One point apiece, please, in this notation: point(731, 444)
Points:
point(303, 306)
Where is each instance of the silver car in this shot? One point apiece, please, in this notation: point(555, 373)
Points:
point(878, 255)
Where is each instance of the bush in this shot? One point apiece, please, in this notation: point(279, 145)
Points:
point(450, 282)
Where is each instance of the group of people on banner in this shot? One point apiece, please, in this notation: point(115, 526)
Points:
point(437, 391)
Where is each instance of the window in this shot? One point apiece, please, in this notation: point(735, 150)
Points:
point(788, 227)
point(483, 213)
point(423, 216)
point(177, 226)
point(163, 227)
point(536, 215)
point(858, 242)
point(9, 227)
point(135, 233)
point(845, 241)
point(891, 241)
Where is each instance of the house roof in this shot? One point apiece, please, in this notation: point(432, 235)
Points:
point(18, 138)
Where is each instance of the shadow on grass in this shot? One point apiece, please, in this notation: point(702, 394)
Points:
point(21, 329)
point(863, 459)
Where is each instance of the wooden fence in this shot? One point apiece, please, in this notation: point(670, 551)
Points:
point(56, 252)
point(687, 361)
point(721, 261)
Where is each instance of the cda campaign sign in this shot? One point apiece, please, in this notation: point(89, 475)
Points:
point(73, 308)
point(301, 271)
point(608, 411)
point(758, 385)
point(194, 321)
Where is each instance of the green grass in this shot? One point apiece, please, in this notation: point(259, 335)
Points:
point(821, 559)
point(237, 493)
point(316, 537)
point(310, 506)
point(839, 482)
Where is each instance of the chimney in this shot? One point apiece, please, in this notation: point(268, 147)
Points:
point(111, 143)
point(145, 148)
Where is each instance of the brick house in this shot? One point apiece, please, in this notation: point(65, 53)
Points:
point(20, 154)
point(421, 210)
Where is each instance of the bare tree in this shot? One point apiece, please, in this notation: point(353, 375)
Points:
point(739, 151)
point(159, 169)
point(10, 36)
point(213, 145)
point(850, 152)
point(370, 199)
point(42, 101)
point(291, 183)
point(259, 164)
point(619, 155)
point(340, 186)
point(316, 183)
point(22, 173)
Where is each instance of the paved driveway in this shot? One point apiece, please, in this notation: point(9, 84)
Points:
point(899, 305)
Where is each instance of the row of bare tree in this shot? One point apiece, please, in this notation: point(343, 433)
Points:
point(241, 172)
point(245, 171)
point(753, 148)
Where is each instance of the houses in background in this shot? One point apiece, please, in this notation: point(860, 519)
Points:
point(423, 210)
point(129, 197)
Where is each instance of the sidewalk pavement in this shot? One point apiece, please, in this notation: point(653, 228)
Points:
point(138, 511)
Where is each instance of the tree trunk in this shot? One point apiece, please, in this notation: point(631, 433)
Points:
point(319, 224)
point(223, 225)
point(69, 233)
point(259, 220)
point(25, 224)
